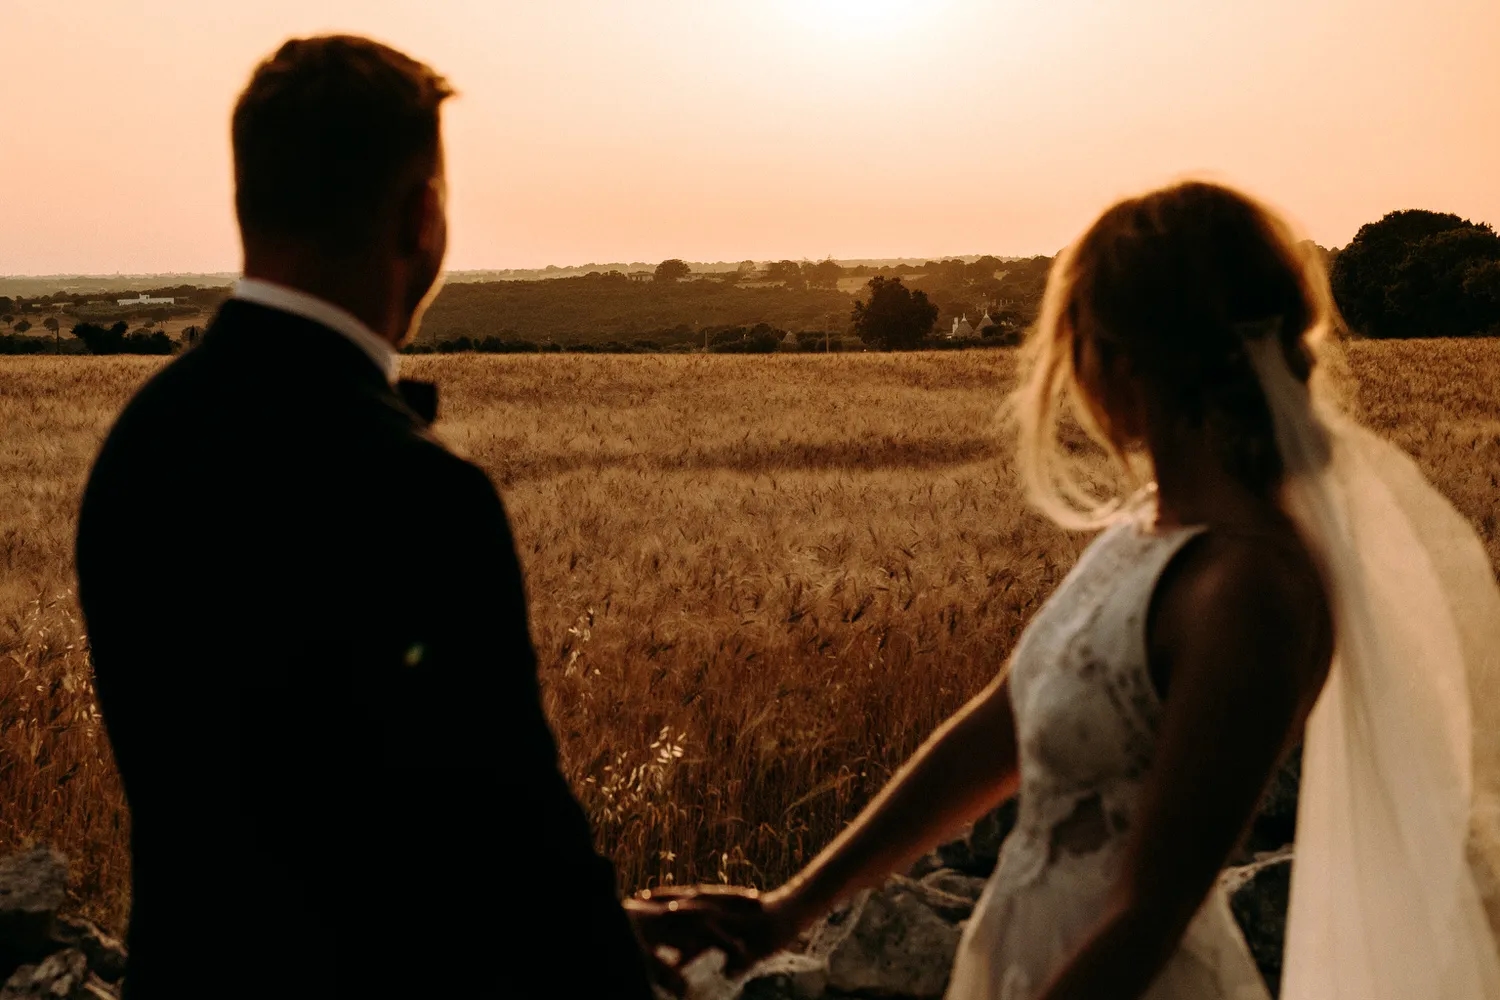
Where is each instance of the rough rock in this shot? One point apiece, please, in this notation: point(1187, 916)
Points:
point(892, 941)
point(63, 975)
point(787, 977)
point(1258, 895)
point(976, 850)
point(105, 953)
point(987, 836)
point(1275, 823)
point(33, 885)
point(955, 883)
point(43, 954)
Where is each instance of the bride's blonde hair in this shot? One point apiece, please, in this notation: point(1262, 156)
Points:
point(1169, 282)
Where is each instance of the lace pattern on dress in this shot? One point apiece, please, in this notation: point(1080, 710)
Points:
point(1087, 716)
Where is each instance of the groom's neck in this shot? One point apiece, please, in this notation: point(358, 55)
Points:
point(365, 288)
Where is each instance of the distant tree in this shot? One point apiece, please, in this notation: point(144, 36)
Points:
point(672, 270)
point(155, 342)
point(812, 340)
point(158, 315)
point(952, 271)
point(824, 274)
point(22, 326)
point(984, 268)
point(1419, 274)
point(761, 338)
point(10, 344)
point(54, 327)
point(788, 272)
point(102, 340)
point(7, 304)
point(10, 321)
point(895, 317)
point(746, 268)
point(1483, 282)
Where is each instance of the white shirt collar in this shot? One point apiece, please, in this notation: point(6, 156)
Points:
point(324, 313)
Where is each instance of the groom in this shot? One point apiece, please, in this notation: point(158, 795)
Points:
point(307, 619)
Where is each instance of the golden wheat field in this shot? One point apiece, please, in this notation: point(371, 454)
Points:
point(757, 582)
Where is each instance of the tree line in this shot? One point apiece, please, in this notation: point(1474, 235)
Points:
point(1420, 274)
point(94, 338)
point(1413, 273)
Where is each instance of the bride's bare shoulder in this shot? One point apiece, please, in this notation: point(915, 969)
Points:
point(1246, 600)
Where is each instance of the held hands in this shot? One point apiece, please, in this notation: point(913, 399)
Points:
point(679, 924)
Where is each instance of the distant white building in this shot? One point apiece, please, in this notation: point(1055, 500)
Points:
point(961, 329)
point(146, 300)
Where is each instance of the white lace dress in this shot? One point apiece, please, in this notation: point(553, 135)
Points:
point(1086, 721)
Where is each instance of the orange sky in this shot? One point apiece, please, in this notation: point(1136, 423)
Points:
point(724, 129)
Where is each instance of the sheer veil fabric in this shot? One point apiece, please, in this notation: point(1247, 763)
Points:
point(1394, 890)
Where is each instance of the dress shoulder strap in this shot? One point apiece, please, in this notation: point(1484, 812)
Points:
point(1123, 586)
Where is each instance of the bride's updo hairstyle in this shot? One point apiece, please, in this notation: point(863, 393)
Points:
point(1169, 283)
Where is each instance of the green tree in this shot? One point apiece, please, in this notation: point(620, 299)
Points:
point(895, 317)
point(22, 326)
point(672, 270)
point(102, 340)
point(1418, 274)
point(788, 272)
point(824, 274)
point(984, 268)
point(1483, 282)
point(54, 327)
point(10, 321)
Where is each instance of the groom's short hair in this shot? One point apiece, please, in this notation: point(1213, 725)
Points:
point(326, 132)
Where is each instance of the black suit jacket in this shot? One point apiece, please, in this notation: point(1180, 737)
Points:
point(311, 650)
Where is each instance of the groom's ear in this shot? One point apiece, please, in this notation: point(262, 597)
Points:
point(421, 223)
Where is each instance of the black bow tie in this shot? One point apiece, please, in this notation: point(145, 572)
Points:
point(420, 397)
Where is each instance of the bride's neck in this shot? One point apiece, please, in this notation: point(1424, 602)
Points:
point(1194, 487)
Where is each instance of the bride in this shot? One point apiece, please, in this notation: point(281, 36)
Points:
point(1286, 577)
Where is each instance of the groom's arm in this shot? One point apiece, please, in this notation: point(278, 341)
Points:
point(488, 760)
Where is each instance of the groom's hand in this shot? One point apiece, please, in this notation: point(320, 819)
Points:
point(679, 924)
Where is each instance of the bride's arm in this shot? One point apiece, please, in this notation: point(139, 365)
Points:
point(1248, 645)
point(965, 768)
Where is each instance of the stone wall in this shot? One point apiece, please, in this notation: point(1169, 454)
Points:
point(45, 954)
point(898, 941)
point(895, 942)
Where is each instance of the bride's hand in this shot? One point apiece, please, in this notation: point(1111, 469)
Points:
point(744, 924)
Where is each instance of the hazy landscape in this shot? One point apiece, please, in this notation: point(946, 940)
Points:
point(730, 303)
point(756, 583)
point(621, 309)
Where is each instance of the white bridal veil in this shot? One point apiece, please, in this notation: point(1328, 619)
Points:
point(1393, 887)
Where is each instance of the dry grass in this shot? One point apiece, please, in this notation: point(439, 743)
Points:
point(757, 582)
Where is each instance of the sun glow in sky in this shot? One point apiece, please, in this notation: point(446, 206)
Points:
point(856, 21)
point(606, 130)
